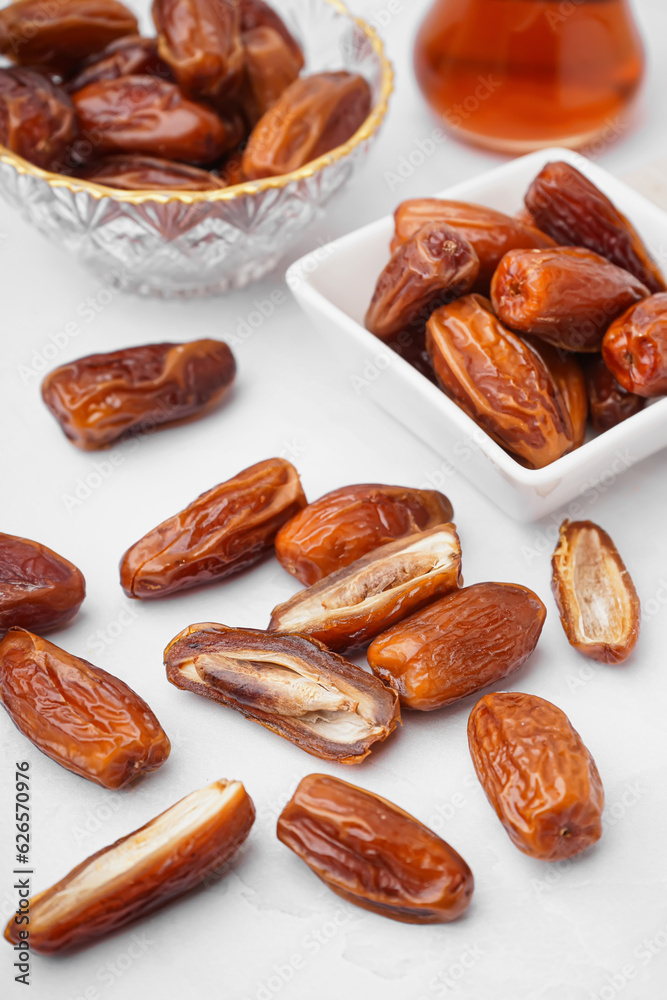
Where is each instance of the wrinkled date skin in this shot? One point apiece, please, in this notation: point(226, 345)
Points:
point(85, 719)
point(291, 684)
point(348, 523)
point(58, 36)
point(350, 607)
point(177, 851)
point(537, 774)
point(490, 233)
point(140, 114)
point(499, 381)
point(125, 57)
point(598, 604)
point(313, 116)
point(226, 529)
point(37, 119)
point(374, 854)
point(609, 402)
point(567, 296)
point(105, 397)
point(567, 373)
point(435, 266)
point(39, 589)
point(270, 68)
point(201, 41)
point(146, 173)
point(635, 348)
point(574, 211)
point(258, 14)
point(459, 644)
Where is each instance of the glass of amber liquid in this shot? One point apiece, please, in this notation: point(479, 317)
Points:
point(517, 75)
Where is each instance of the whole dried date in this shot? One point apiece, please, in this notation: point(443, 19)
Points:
point(537, 774)
point(173, 853)
point(224, 530)
point(346, 524)
point(490, 233)
point(291, 684)
point(37, 119)
point(270, 67)
point(140, 173)
point(39, 589)
point(350, 607)
point(570, 379)
point(58, 36)
point(609, 402)
point(84, 718)
point(574, 211)
point(435, 266)
point(374, 854)
point(258, 14)
point(567, 296)
point(459, 644)
point(141, 114)
point(635, 348)
point(126, 56)
point(598, 604)
point(201, 41)
point(499, 381)
point(314, 115)
point(102, 398)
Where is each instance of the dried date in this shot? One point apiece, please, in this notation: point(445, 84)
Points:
point(374, 854)
point(635, 348)
point(84, 718)
point(149, 173)
point(351, 606)
point(609, 402)
point(270, 68)
point(126, 56)
point(258, 14)
point(290, 684)
point(173, 853)
point(598, 604)
point(459, 644)
point(39, 589)
point(226, 529)
point(537, 774)
point(201, 41)
point(37, 119)
point(567, 373)
point(102, 398)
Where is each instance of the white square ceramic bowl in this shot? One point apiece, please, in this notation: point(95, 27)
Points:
point(334, 285)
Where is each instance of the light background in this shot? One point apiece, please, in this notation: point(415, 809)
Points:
point(595, 927)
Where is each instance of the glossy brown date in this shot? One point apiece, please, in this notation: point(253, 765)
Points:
point(226, 529)
point(39, 589)
point(574, 211)
point(635, 348)
point(173, 853)
point(84, 718)
point(499, 381)
point(58, 36)
point(598, 604)
point(270, 66)
point(346, 524)
point(290, 684)
point(37, 119)
point(126, 56)
point(374, 854)
point(490, 233)
point(459, 644)
point(149, 173)
point(567, 296)
point(537, 774)
point(567, 373)
point(141, 114)
point(609, 402)
point(105, 397)
point(201, 41)
point(351, 606)
point(258, 14)
point(435, 266)
point(314, 115)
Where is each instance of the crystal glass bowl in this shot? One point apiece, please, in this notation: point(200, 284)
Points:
point(181, 244)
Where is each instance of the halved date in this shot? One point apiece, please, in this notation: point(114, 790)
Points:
point(140, 173)
point(635, 348)
point(226, 529)
point(350, 607)
point(346, 524)
point(374, 854)
point(609, 402)
point(459, 644)
point(84, 718)
point(126, 56)
point(37, 118)
point(104, 397)
point(39, 589)
point(598, 604)
point(201, 41)
point(537, 774)
point(291, 684)
point(160, 861)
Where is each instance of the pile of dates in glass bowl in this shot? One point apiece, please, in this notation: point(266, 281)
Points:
point(186, 161)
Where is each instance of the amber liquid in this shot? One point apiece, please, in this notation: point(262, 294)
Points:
point(518, 75)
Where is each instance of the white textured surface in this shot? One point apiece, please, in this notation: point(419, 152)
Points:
point(594, 928)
